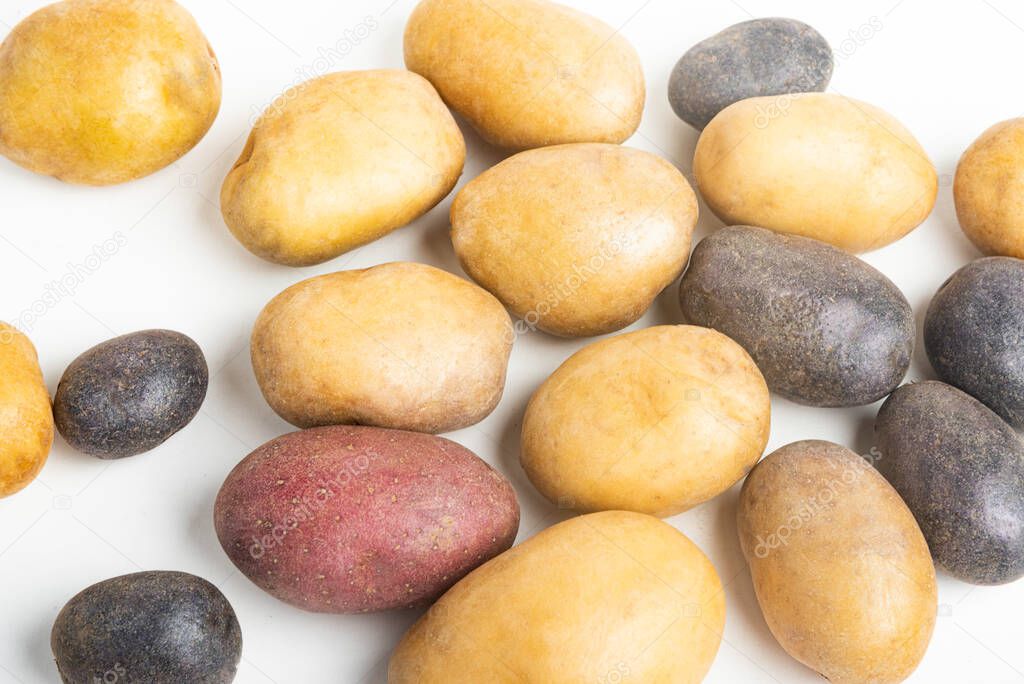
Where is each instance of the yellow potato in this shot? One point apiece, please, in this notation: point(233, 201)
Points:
point(105, 91)
point(340, 161)
point(576, 239)
point(989, 190)
point(655, 421)
point(528, 73)
point(840, 567)
point(607, 597)
point(400, 345)
point(26, 420)
point(818, 165)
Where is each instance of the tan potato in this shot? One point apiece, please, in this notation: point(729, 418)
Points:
point(606, 597)
point(815, 164)
point(400, 345)
point(528, 73)
point(840, 567)
point(655, 421)
point(105, 91)
point(26, 420)
point(989, 190)
point(340, 161)
point(577, 240)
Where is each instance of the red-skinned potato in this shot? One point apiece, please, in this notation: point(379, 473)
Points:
point(345, 519)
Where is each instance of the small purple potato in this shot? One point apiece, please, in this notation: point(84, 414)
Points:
point(344, 519)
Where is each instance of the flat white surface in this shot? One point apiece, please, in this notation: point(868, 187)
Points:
point(946, 70)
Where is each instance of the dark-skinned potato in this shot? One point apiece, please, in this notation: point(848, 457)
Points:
point(604, 597)
point(26, 421)
point(346, 519)
point(840, 567)
point(960, 469)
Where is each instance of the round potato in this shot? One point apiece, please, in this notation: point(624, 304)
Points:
point(528, 73)
point(606, 597)
point(577, 240)
point(100, 92)
point(340, 161)
point(344, 519)
point(26, 420)
point(760, 162)
point(655, 421)
point(988, 190)
point(840, 568)
point(399, 345)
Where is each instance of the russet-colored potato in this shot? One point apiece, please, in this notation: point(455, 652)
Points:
point(100, 92)
point(340, 161)
point(988, 188)
point(528, 73)
point(26, 420)
point(815, 164)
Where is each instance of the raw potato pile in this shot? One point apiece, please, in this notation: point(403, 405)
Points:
point(366, 509)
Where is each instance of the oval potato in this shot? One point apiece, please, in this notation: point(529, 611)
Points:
point(840, 568)
point(26, 419)
point(340, 161)
point(528, 73)
point(399, 345)
point(100, 92)
point(987, 188)
point(611, 596)
point(577, 240)
point(655, 421)
point(815, 164)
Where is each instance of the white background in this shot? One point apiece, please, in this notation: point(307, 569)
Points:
point(946, 73)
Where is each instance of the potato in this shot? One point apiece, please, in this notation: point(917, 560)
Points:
point(26, 421)
point(340, 161)
point(153, 627)
point(528, 73)
point(400, 345)
point(100, 92)
point(654, 421)
point(987, 188)
point(960, 469)
point(605, 597)
point(761, 162)
point(840, 567)
point(578, 240)
point(346, 519)
point(824, 327)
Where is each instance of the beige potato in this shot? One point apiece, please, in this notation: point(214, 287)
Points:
point(26, 420)
point(989, 190)
point(400, 345)
point(841, 570)
point(815, 164)
point(340, 161)
point(100, 92)
point(606, 597)
point(654, 421)
point(578, 239)
point(528, 73)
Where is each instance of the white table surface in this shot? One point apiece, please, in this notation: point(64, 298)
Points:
point(943, 69)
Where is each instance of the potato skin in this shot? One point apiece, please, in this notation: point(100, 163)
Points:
point(601, 596)
point(345, 519)
point(654, 421)
point(340, 161)
point(760, 163)
point(26, 419)
point(824, 327)
point(577, 240)
point(960, 469)
point(528, 73)
point(987, 189)
point(139, 87)
point(840, 568)
point(324, 355)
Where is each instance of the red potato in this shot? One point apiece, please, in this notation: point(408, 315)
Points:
point(346, 519)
